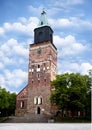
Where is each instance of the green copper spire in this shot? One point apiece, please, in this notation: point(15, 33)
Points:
point(43, 20)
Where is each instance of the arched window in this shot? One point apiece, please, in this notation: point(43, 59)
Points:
point(39, 100)
point(35, 100)
point(38, 68)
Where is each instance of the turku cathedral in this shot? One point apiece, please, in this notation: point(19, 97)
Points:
point(42, 69)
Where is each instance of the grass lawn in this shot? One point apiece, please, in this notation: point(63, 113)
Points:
point(3, 119)
point(71, 120)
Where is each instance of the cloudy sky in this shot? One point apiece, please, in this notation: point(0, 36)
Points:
point(71, 21)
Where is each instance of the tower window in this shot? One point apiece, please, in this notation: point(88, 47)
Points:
point(32, 81)
point(38, 66)
point(39, 51)
point(41, 23)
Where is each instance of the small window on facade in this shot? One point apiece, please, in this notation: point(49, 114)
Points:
point(32, 81)
point(22, 104)
point(38, 66)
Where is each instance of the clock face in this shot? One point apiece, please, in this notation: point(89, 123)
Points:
point(39, 51)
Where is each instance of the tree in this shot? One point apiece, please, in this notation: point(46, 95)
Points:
point(7, 102)
point(12, 103)
point(3, 98)
point(70, 92)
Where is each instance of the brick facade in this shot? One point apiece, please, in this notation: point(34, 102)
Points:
point(42, 69)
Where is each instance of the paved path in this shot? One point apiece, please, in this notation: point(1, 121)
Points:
point(44, 126)
point(27, 119)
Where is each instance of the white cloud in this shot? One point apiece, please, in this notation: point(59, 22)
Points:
point(13, 79)
point(12, 52)
point(68, 46)
point(7, 26)
point(23, 20)
point(70, 53)
point(1, 66)
point(13, 55)
point(85, 67)
point(68, 66)
point(25, 26)
point(20, 50)
point(6, 61)
point(1, 31)
point(12, 47)
point(60, 22)
point(73, 23)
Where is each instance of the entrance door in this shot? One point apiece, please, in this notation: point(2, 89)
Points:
point(38, 110)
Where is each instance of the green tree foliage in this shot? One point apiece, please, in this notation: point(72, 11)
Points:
point(72, 92)
point(7, 102)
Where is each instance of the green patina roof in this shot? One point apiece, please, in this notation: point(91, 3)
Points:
point(43, 20)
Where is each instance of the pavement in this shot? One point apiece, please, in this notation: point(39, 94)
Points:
point(44, 126)
point(28, 119)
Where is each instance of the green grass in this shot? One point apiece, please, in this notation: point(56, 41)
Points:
point(71, 120)
point(3, 119)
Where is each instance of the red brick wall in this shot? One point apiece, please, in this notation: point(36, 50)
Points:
point(39, 81)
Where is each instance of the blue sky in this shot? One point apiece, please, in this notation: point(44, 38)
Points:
point(71, 21)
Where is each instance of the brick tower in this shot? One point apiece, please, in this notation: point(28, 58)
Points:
point(42, 68)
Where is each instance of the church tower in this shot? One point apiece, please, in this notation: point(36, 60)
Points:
point(42, 69)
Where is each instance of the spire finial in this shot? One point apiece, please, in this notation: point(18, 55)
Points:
point(43, 9)
point(43, 20)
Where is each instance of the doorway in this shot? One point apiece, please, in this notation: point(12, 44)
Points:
point(38, 110)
